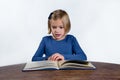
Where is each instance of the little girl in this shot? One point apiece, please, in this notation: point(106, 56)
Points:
point(59, 46)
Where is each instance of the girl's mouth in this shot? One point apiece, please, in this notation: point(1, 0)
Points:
point(57, 35)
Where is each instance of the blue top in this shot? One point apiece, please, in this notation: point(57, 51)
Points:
point(68, 47)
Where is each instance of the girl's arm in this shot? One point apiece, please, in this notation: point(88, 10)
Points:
point(39, 53)
point(77, 53)
point(75, 57)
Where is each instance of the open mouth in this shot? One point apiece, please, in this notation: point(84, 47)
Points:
point(57, 35)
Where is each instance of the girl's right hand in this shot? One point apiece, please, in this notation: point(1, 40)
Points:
point(56, 57)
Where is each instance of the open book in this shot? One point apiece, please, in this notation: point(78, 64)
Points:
point(58, 65)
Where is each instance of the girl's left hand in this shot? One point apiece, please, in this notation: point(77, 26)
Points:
point(56, 57)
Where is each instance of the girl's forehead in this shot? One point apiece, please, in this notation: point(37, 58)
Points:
point(57, 22)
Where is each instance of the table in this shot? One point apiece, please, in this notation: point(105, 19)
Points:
point(104, 71)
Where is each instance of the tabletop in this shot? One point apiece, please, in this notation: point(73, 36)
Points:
point(104, 71)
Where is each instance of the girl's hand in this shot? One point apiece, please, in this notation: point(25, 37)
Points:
point(56, 57)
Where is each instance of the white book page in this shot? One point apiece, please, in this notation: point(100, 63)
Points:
point(41, 65)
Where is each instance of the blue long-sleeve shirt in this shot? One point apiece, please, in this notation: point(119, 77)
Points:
point(68, 47)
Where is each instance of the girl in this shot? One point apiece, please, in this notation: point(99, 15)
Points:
point(59, 46)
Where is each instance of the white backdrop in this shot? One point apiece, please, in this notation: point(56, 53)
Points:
point(95, 23)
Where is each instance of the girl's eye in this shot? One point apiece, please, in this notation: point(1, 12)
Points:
point(54, 27)
point(61, 27)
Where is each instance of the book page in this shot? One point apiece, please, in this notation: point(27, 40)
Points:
point(75, 64)
point(40, 65)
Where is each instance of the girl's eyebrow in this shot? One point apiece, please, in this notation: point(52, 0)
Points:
point(61, 26)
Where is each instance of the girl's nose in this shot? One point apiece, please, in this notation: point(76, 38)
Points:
point(57, 29)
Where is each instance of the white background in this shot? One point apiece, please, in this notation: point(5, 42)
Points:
point(95, 23)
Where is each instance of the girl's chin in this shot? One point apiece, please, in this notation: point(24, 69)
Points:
point(59, 37)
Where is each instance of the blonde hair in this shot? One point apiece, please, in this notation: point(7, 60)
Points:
point(59, 14)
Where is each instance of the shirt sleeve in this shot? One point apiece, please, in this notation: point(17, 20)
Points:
point(77, 52)
point(40, 51)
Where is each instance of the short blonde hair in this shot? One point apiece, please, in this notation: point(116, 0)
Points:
point(59, 14)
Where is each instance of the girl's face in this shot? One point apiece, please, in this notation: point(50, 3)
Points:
point(57, 29)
